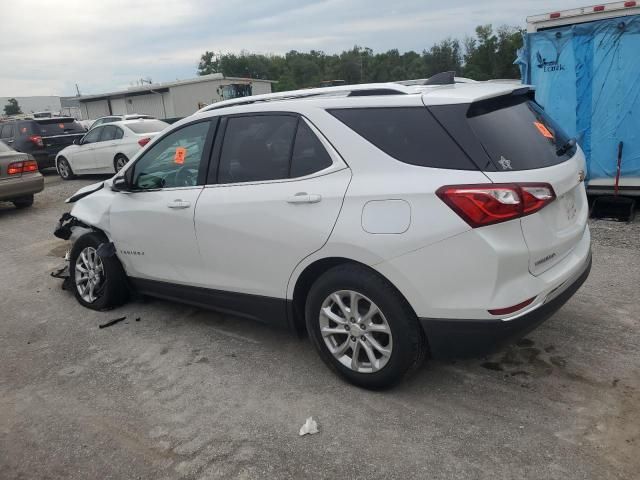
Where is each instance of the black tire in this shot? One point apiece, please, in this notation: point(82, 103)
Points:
point(113, 291)
point(65, 168)
point(409, 343)
point(23, 202)
point(119, 157)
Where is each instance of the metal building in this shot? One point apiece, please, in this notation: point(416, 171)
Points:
point(171, 99)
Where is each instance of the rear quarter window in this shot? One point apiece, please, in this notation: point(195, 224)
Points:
point(408, 134)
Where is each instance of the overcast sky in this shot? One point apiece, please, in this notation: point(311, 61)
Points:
point(47, 46)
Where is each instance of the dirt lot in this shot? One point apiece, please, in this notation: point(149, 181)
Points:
point(185, 393)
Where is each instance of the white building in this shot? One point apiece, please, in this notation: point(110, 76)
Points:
point(171, 99)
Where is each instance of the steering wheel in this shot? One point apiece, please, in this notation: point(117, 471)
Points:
point(186, 176)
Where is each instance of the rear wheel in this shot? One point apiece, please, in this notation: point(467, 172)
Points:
point(64, 169)
point(23, 202)
point(363, 328)
point(98, 282)
point(119, 162)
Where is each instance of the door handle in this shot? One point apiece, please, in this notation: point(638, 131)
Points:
point(179, 204)
point(10, 141)
point(304, 197)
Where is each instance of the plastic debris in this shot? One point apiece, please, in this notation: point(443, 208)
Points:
point(310, 427)
point(112, 322)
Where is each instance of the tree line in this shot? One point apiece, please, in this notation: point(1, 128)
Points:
point(488, 54)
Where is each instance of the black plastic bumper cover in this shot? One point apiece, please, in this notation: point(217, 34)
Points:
point(452, 338)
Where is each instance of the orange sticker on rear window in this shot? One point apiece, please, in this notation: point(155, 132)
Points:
point(543, 130)
point(181, 154)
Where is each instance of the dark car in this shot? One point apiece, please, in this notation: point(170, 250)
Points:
point(42, 138)
point(19, 177)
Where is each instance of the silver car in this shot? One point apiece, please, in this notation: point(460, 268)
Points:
point(19, 177)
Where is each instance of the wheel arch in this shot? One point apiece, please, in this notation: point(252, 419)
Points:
point(307, 277)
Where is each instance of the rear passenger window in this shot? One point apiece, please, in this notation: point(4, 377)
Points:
point(256, 148)
point(309, 156)
point(108, 133)
point(408, 134)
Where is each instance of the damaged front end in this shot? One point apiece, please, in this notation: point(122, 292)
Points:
point(66, 224)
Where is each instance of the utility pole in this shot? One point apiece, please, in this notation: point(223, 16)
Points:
point(77, 89)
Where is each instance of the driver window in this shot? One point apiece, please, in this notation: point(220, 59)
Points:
point(92, 137)
point(174, 161)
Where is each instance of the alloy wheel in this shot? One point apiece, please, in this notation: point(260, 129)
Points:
point(89, 275)
point(355, 331)
point(120, 162)
point(64, 169)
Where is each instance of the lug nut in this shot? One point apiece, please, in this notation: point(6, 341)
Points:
point(353, 339)
point(347, 328)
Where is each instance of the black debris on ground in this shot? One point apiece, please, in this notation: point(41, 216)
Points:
point(111, 322)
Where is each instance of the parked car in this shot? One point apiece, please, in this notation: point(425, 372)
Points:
point(389, 221)
point(19, 177)
point(119, 118)
point(107, 148)
point(42, 138)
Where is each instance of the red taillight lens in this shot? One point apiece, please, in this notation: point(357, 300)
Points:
point(488, 204)
point(554, 15)
point(143, 141)
point(29, 166)
point(598, 8)
point(37, 139)
point(629, 4)
point(22, 167)
point(514, 308)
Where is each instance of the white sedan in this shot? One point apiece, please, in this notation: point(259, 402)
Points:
point(107, 148)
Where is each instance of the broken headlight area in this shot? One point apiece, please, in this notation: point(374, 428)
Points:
point(66, 224)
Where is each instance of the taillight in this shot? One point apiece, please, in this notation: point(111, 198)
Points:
point(143, 141)
point(27, 166)
point(491, 203)
point(629, 4)
point(37, 139)
point(554, 15)
point(598, 8)
point(513, 308)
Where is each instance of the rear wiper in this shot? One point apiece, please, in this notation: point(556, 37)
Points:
point(566, 147)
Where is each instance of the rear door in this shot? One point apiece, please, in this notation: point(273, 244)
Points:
point(272, 200)
point(520, 143)
point(82, 158)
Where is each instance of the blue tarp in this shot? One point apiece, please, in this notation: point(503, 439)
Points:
point(587, 77)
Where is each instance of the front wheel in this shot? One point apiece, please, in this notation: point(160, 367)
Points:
point(98, 282)
point(363, 328)
point(64, 169)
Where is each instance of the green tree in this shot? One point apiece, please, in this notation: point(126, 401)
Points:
point(12, 107)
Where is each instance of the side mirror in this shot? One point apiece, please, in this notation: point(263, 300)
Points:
point(123, 183)
point(76, 141)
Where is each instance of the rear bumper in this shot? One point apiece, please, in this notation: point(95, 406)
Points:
point(45, 159)
point(21, 187)
point(450, 338)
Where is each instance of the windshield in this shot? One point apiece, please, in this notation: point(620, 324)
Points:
point(147, 126)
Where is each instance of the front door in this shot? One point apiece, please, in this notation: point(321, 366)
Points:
point(82, 159)
point(276, 198)
point(152, 226)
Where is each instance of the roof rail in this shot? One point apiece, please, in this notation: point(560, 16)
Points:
point(342, 90)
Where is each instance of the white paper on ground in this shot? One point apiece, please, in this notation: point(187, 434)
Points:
point(310, 427)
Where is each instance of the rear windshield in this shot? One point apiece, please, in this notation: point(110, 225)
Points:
point(57, 126)
point(147, 126)
point(513, 131)
point(408, 134)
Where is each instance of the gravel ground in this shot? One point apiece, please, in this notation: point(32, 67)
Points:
point(186, 393)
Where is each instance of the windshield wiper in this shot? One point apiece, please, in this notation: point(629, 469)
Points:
point(566, 147)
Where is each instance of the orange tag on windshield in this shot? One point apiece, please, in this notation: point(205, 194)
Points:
point(543, 130)
point(181, 154)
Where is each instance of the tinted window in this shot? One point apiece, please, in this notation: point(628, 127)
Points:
point(517, 134)
point(147, 126)
point(256, 148)
point(119, 133)
point(108, 133)
point(309, 156)
point(174, 161)
point(408, 134)
point(58, 126)
point(93, 136)
point(6, 131)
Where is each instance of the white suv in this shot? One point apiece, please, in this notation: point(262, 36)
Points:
point(389, 220)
